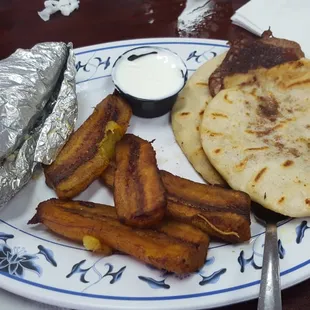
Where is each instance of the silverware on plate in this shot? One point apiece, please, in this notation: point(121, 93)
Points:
point(270, 286)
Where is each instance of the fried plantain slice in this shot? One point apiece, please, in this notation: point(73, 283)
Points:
point(165, 249)
point(220, 212)
point(66, 227)
point(139, 195)
point(89, 149)
point(183, 231)
point(108, 175)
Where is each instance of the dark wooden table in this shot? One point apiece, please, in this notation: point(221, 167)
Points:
point(99, 21)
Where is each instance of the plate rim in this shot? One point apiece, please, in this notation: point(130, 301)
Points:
point(128, 43)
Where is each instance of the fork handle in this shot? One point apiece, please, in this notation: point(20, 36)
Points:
point(270, 290)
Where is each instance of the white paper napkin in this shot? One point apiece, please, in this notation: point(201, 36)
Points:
point(289, 19)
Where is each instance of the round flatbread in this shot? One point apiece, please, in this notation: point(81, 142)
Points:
point(186, 118)
point(257, 136)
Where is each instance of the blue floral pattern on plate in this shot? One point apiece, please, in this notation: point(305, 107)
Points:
point(300, 231)
point(90, 66)
point(114, 276)
point(206, 279)
point(15, 260)
point(156, 284)
point(257, 254)
point(202, 57)
point(100, 62)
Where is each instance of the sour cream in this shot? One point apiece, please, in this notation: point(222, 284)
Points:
point(149, 73)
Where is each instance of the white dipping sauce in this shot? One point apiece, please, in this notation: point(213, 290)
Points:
point(149, 73)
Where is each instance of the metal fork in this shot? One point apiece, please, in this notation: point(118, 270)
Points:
point(270, 287)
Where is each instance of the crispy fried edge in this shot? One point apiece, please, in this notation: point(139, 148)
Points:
point(69, 179)
point(139, 194)
point(203, 215)
point(152, 247)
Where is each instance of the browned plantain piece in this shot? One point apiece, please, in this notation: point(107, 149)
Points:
point(72, 231)
point(183, 231)
point(108, 175)
point(89, 149)
point(139, 195)
point(165, 249)
point(222, 213)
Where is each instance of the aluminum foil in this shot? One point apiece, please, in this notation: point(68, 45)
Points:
point(38, 111)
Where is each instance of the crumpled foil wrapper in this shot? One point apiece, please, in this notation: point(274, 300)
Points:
point(38, 111)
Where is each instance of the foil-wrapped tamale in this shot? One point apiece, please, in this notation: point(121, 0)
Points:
point(38, 111)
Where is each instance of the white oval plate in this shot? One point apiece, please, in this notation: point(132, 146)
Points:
point(38, 265)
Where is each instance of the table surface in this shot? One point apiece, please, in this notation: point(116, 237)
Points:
point(99, 21)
